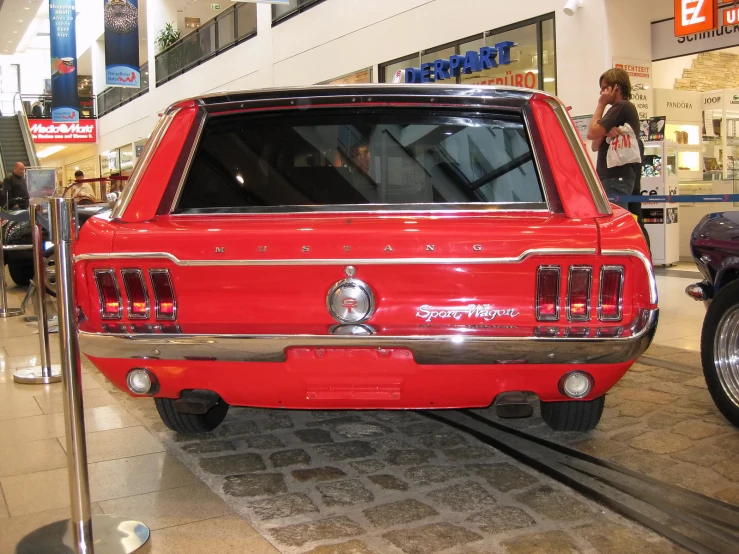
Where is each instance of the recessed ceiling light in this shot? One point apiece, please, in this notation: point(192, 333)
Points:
point(15, 32)
point(20, 21)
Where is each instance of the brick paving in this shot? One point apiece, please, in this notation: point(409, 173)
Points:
point(367, 482)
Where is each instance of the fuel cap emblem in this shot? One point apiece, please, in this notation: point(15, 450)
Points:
point(350, 301)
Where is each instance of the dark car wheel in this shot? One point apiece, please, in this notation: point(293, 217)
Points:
point(575, 415)
point(21, 273)
point(190, 424)
point(50, 271)
point(720, 349)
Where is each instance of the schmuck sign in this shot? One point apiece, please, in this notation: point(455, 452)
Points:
point(488, 57)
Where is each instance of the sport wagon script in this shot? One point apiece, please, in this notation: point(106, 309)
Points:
point(486, 312)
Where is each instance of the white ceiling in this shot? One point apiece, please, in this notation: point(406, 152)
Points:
point(15, 18)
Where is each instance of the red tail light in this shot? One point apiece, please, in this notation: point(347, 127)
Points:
point(578, 293)
point(138, 298)
point(547, 293)
point(110, 296)
point(611, 290)
point(165, 303)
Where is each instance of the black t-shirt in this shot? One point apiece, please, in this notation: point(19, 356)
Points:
point(620, 113)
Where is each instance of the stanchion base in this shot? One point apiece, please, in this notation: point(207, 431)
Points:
point(111, 535)
point(10, 312)
point(35, 375)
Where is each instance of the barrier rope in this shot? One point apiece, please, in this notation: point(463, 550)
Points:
point(675, 198)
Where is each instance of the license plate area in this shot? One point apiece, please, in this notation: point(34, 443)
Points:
point(352, 373)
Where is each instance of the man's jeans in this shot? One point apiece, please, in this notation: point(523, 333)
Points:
point(619, 186)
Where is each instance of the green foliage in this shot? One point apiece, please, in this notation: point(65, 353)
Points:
point(167, 37)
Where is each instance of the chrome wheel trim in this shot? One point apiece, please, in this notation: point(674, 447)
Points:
point(726, 354)
point(50, 273)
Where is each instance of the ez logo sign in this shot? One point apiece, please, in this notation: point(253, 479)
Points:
point(695, 16)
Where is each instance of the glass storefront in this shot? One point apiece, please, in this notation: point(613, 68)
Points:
point(363, 76)
point(533, 58)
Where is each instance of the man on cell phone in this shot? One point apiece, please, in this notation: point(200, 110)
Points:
point(615, 91)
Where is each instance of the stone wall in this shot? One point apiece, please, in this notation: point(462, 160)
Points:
point(711, 71)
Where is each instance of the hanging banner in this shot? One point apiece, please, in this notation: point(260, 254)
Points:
point(122, 43)
point(64, 101)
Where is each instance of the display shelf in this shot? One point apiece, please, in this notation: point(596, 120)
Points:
point(660, 177)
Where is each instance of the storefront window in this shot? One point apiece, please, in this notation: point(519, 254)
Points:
point(533, 58)
point(363, 76)
point(388, 70)
point(548, 60)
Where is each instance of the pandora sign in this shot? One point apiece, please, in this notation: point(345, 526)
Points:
point(44, 131)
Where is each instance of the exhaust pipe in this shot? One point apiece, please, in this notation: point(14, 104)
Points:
point(196, 402)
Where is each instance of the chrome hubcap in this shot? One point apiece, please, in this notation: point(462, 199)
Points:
point(726, 354)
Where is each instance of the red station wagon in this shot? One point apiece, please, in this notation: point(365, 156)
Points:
point(365, 247)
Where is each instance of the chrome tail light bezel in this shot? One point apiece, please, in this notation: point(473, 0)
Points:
point(619, 269)
point(541, 271)
point(97, 273)
point(589, 292)
point(129, 303)
point(153, 275)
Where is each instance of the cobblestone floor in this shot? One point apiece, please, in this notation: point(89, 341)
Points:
point(396, 482)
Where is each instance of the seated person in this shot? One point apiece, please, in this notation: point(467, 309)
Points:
point(79, 190)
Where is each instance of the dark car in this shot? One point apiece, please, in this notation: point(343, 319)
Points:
point(715, 247)
point(18, 252)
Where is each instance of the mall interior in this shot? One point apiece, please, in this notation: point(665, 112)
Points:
point(658, 474)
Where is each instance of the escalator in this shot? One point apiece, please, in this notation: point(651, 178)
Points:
point(15, 143)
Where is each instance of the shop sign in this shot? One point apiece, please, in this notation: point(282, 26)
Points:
point(678, 106)
point(640, 75)
point(666, 45)
point(488, 57)
point(695, 16)
point(43, 131)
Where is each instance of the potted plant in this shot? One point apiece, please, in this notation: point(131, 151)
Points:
point(164, 39)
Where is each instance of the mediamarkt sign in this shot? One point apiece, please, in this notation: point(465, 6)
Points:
point(45, 131)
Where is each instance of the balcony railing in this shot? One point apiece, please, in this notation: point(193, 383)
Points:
point(115, 97)
point(282, 12)
point(38, 106)
point(236, 24)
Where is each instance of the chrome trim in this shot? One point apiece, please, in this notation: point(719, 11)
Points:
point(620, 270)
point(697, 292)
point(188, 163)
point(428, 349)
point(11, 247)
point(351, 282)
point(354, 209)
point(335, 261)
point(544, 188)
point(589, 271)
point(110, 272)
point(542, 269)
point(159, 316)
point(151, 146)
point(138, 273)
point(596, 190)
point(653, 298)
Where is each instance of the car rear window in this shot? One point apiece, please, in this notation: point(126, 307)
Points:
point(361, 161)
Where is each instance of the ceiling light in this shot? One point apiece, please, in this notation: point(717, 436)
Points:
point(20, 21)
point(46, 152)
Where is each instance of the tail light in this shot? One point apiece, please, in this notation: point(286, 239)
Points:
point(611, 290)
point(164, 298)
point(138, 298)
point(547, 293)
point(578, 293)
point(110, 296)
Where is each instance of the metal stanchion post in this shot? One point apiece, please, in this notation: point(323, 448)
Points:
point(4, 310)
point(84, 533)
point(46, 372)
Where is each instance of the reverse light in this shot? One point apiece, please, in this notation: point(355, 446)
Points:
point(110, 296)
point(547, 293)
point(138, 297)
point(610, 305)
point(576, 384)
point(142, 381)
point(578, 293)
point(164, 299)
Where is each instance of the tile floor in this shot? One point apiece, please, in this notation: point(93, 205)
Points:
point(131, 473)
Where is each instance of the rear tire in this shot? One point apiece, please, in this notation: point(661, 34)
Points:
point(190, 424)
point(574, 415)
point(21, 273)
point(718, 351)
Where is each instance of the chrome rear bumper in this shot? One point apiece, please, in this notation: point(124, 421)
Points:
point(444, 350)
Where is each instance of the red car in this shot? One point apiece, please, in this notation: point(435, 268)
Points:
point(378, 247)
